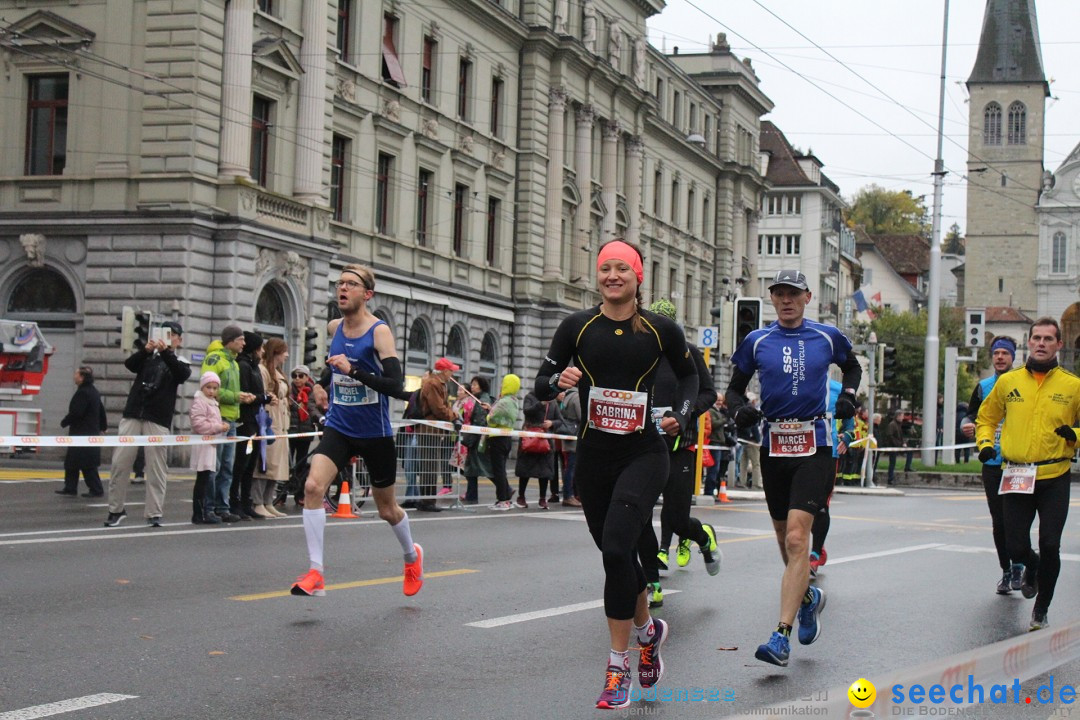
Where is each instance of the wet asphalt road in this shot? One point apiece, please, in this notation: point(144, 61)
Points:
point(195, 621)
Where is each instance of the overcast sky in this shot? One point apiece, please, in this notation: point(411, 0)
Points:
point(896, 46)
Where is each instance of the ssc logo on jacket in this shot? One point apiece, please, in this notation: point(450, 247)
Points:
point(1060, 399)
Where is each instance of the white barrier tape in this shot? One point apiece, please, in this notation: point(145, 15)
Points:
point(1019, 658)
point(482, 430)
point(135, 440)
point(171, 440)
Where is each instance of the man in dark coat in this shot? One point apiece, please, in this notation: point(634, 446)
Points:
point(86, 416)
point(159, 373)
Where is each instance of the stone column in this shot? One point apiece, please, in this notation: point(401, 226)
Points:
point(582, 249)
point(635, 152)
point(609, 164)
point(235, 150)
point(311, 109)
point(553, 246)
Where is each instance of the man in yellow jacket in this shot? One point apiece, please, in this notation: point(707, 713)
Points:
point(1040, 405)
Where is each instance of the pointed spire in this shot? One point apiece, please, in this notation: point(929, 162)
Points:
point(1009, 49)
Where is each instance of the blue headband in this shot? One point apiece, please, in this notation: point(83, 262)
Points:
point(1004, 344)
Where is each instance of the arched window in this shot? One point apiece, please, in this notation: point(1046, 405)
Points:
point(1017, 124)
point(456, 348)
point(489, 359)
point(270, 313)
point(418, 351)
point(1057, 253)
point(992, 124)
point(384, 315)
point(42, 291)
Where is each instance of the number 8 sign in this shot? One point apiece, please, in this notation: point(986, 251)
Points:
point(708, 337)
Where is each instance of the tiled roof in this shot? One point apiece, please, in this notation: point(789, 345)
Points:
point(1005, 314)
point(784, 169)
point(907, 254)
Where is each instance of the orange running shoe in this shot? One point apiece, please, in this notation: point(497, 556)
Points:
point(309, 584)
point(414, 572)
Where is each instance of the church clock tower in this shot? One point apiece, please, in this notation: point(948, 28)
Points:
point(1007, 95)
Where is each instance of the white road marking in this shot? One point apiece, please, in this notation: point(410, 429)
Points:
point(540, 614)
point(65, 706)
point(884, 553)
point(1070, 557)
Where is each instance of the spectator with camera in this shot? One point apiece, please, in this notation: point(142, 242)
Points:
point(159, 373)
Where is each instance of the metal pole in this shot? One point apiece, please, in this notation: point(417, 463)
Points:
point(949, 413)
point(869, 454)
point(933, 342)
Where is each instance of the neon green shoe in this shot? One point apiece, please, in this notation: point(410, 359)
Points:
point(655, 595)
point(682, 554)
point(711, 552)
point(662, 559)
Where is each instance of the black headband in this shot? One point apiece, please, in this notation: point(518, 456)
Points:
point(363, 279)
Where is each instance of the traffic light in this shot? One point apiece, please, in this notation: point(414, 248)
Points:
point(974, 327)
point(311, 346)
point(886, 365)
point(747, 317)
point(143, 318)
point(127, 330)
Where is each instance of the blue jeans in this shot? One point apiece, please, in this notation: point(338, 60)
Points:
point(217, 490)
point(568, 474)
point(410, 463)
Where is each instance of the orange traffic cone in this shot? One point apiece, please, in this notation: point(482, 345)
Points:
point(723, 492)
point(344, 508)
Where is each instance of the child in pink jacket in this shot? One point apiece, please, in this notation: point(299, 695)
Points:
point(206, 420)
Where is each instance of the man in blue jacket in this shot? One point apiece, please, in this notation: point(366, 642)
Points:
point(1002, 355)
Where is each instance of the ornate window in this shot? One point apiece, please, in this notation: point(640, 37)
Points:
point(1017, 124)
point(489, 358)
point(992, 124)
point(1057, 253)
point(418, 351)
point(456, 348)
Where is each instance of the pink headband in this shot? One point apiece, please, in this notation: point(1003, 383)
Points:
point(618, 250)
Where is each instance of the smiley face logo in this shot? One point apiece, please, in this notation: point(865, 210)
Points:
point(862, 693)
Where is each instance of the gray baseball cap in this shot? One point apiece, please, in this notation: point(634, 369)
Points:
point(794, 278)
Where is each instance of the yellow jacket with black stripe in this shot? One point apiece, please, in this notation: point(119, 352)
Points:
point(1031, 412)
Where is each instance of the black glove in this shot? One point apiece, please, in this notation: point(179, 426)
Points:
point(987, 454)
point(1066, 432)
point(845, 407)
point(747, 416)
point(457, 424)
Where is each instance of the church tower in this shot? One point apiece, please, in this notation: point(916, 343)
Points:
point(1007, 99)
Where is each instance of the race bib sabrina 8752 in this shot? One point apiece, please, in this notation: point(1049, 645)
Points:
point(617, 411)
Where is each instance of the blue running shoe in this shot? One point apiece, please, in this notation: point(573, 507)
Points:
point(1016, 576)
point(776, 651)
point(809, 622)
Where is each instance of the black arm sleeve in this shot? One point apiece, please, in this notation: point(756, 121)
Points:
point(735, 397)
point(325, 377)
point(391, 381)
point(686, 372)
point(556, 360)
point(852, 372)
point(706, 395)
point(973, 404)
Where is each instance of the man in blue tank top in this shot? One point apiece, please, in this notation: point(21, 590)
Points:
point(364, 372)
point(792, 357)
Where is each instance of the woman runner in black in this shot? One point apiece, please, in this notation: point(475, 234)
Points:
point(622, 463)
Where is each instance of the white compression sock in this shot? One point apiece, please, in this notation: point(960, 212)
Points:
point(619, 659)
point(645, 632)
point(314, 527)
point(404, 536)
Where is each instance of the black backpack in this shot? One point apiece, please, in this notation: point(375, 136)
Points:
point(412, 410)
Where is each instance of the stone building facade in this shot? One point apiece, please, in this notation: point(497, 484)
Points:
point(217, 162)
